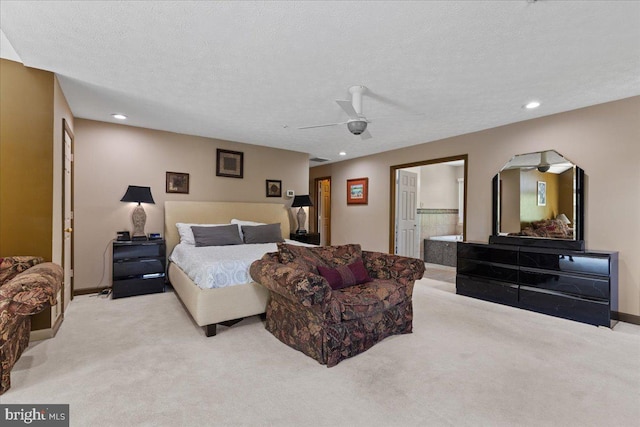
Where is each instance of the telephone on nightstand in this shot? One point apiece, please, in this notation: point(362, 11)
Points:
point(123, 236)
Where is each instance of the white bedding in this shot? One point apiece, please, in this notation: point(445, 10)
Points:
point(220, 266)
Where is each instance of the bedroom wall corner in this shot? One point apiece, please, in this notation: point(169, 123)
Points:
point(109, 157)
point(601, 139)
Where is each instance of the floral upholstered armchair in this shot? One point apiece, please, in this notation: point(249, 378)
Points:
point(27, 286)
point(334, 302)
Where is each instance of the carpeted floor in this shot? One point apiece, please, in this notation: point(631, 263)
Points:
point(141, 361)
point(441, 273)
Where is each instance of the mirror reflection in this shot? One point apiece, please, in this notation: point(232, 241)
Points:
point(537, 197)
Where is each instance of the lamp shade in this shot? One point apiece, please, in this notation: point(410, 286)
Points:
point(299, 201)
point(138, 194)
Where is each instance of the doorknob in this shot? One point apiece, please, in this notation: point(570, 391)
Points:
point(68, 230)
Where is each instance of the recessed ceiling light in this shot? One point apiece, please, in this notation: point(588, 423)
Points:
point(531, 105)
point(342, 153)
point(119, 116)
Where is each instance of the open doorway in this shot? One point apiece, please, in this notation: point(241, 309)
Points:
point(322, 189)
point(428, 212)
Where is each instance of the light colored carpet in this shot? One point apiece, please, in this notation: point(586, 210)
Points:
point(141, 361)
point(442, 273)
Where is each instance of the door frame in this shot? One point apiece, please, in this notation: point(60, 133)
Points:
point(316, 211)
point(392, 190)
point(66, 130)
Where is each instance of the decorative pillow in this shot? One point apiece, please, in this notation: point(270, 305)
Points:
point(309, 258)
point(186, 234)
point(241, 222)
point(222, 235)
point(345, 275)
point(268, 233)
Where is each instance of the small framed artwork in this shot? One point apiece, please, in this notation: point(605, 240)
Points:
point(542, 193)
point(229, 163)
point(177, 182)
point(274, 188)
point(358, 191)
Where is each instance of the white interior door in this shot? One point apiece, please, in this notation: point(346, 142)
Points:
point(406, 210)
point(68, 220)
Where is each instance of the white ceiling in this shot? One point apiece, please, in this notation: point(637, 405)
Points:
point(255, 71)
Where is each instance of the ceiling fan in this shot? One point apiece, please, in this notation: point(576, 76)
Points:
point(357, 123)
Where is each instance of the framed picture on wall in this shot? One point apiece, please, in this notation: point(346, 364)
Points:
point(542, 193)
point(358, 191)
point(177, 182)
point(274, 188)
point(229, 163)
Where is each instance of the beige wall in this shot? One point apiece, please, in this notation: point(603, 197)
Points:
point(439, 186)
point(602, 139)
point(109, 157)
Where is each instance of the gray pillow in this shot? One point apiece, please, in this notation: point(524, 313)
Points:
point(217, 236)
point(269, 233)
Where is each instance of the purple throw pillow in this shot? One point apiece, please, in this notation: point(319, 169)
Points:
point(345, 275)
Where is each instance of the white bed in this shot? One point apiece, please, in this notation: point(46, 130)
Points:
point(223, 305)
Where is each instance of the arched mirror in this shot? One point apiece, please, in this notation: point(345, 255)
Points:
point(538, 201)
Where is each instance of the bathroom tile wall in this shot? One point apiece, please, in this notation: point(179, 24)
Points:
point(437, 222)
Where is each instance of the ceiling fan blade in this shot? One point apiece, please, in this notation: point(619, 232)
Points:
point(322, 126)
point(365, 135)
point(348, 108)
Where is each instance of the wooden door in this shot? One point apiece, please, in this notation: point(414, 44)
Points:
point(323, 191)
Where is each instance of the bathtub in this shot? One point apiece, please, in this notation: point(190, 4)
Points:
point(441, 249)
point(452, 238)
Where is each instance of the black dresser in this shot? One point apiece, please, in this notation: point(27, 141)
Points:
point(138, 267)
point(576, 285)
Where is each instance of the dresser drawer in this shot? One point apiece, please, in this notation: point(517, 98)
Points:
point(587, 286)
point(144, 250)
point(138, 267)
point(566, 306)
point(487, 253)
point(488, 290)
point(503, 273)
point(575, 263)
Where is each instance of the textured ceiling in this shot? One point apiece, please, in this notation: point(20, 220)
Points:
point(255, 71)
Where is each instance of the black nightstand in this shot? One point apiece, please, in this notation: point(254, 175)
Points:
point(311, 238)
point(138, 268)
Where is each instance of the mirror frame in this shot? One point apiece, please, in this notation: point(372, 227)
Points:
point(576, 244)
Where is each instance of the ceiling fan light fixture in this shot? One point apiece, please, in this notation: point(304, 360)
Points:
point(356, 127)
point(544, 165)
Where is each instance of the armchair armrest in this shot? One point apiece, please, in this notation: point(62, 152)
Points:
point(387, 266)
point(292, 283)
point(33, 290)
point(11, 266)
